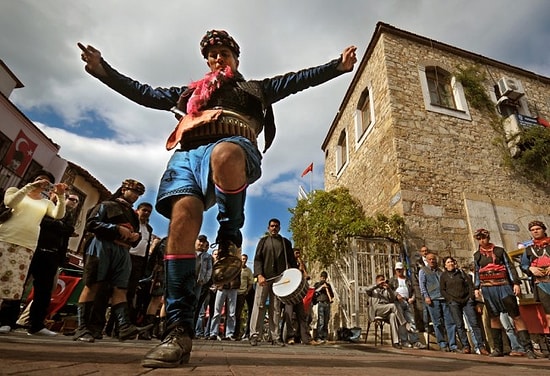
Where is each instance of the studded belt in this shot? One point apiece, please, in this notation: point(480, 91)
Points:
point(228, 124)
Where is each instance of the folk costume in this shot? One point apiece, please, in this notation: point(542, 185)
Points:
point(538, 255)
point(495, 275)
point(108, 259)
point(222, 107)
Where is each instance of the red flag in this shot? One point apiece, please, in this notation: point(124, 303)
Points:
point(19, 156)
point(63, 291)
point(307, 170)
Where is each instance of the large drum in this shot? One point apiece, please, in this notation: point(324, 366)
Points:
point(290, 287)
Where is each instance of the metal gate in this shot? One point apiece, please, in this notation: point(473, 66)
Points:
point(352, 273)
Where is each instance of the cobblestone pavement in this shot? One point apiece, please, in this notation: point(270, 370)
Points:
point(21, 354)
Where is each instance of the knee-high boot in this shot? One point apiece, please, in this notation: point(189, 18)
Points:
point(82, 333)
point(525, 340)
point(180, 300)
point(498, 346)
point(126, 329)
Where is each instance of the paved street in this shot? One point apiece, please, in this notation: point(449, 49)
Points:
point(24, 355)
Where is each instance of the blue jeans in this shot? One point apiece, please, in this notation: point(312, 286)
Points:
point(323, 316)
point(442, 318)
point(408, 313)
point(508, 325)
point(221, 296)
point(458, 312)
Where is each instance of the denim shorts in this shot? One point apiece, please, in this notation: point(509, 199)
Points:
point(188, 174)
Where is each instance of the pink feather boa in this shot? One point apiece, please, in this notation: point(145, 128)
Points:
point(203, 89)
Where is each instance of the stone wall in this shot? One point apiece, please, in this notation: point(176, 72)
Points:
point(440, 172)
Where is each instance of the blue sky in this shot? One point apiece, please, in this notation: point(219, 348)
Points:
point(157, 43)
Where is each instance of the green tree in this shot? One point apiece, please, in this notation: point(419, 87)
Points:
point(323, 223)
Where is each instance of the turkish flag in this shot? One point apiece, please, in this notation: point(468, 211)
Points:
point(307, 170)
point(63, 291)
point(20, 153)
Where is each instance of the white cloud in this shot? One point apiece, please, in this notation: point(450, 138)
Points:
point(157, 43)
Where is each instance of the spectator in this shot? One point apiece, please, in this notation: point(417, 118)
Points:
point(429, 279)
point(385, 304)
point(204, 277)
point(137, 303)
point(458, 290)
point(404, 292)
point(19, 237)
point(324, 296)
point(247, 284)
point(50, 254)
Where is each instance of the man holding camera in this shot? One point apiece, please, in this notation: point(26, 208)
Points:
point(384, 304)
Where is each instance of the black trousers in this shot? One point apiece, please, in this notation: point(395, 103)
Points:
point(43, 269)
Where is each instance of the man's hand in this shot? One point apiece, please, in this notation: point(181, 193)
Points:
point(261, 280)
point(92, 58)
point(349, 58)
point(538, 272)
point(517, 290)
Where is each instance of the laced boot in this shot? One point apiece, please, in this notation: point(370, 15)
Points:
point(173, 351)
point(126, 329)
point(525, 340)
point(497, 343)
point(83, 334)
point(228, 265)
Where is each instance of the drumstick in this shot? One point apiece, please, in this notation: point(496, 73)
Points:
point(282, 282)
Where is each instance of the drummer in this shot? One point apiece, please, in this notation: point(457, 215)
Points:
point(298, 329)
point(273, 256)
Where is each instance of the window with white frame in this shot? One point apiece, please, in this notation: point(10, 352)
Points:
point(342, 150)
point(442, 92)
point(364, 116)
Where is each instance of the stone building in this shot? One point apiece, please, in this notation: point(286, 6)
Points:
point(407, 141)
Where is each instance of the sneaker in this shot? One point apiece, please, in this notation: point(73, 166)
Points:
point(218, 338)
point(212, 338)
point(419, 346)
point(278, 343)
point(407, 345)
point(396, 346)
point(228, 265)
point(173, 351)
point(43, 332)
point(254, 341)
point(496, 354)
point(531, 354)
point(229, 338)
point(291, 341)
point(4, 329)
point(482, 351)
point(410, 328)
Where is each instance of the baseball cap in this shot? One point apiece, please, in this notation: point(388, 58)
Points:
point(399, 265)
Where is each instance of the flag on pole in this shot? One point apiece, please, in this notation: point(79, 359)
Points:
point(307, 170)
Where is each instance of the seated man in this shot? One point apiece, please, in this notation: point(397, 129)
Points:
point(383, 300)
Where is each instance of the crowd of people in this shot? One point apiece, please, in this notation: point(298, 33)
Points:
point(125, 276)
point(449, 301)
point(173, 289)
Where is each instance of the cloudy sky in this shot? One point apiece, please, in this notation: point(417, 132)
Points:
point(156, 42)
